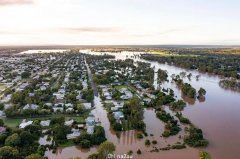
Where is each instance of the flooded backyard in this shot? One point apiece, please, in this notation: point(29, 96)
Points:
point(217, 115)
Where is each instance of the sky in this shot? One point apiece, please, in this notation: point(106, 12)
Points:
point(119, 22)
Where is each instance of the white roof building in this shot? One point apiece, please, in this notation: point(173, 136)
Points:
point(118, 115)
point(90, 129)
point(30, 106)
point(87, 105)
point(56, 109)
point(24, 124)
point(69, 105)
point(45, 123)
point(75, 133)
point(69, 122)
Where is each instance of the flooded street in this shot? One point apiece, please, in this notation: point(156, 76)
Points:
point(218, 116)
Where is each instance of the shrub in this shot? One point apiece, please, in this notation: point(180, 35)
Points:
point(139, 151)
point(147, 142)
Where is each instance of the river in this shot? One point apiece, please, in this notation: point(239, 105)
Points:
point(218, 116)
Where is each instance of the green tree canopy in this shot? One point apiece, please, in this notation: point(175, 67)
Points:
point(105, 149)
point(8, 152)
point(13, 140)
point(34, 156)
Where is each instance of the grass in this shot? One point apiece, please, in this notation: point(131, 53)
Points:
point(69, 143)
point(162, 53)
point(120, 87)
point(11, 122)
point(14, 122)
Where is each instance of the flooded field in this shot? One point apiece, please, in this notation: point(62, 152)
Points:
point(217, 115)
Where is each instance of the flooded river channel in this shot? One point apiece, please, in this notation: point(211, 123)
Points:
point(218, 116)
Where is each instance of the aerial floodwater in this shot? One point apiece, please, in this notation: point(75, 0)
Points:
point(217, 115)
point(43, 51)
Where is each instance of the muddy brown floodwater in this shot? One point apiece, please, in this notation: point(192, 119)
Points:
point(218, 116)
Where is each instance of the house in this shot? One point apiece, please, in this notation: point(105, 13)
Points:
point(43, 88)
point(90, 129)
point(78, 97)
point(6, 98)
point(59, 96)
point(90, 121)
point(69, 122)
point(84, 84)
point(45, 123)
point(58, 104)
point(25, 123)
point(30, 106)
point(114, 108)
point(146, 100)
point(48, 104)
point(58, 109)
point(87, 105)
point(80, 126)
point(127, 94)
point(106, 93)
point(118, 115)
point(2, 113)
point(31, 94)
point(2, 130)
point(61, 91)
point(69, 110)
point(118, 104)
point(75, 133)
point(69, 105)
point(6, 106)
point(22, 87)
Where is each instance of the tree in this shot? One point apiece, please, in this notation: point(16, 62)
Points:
point(201, 92)
point(2, 138)
point(134, 112)
point(80, 107)
point(17, 97)
point(26, 138)
point(60, 132)
point(25, 74)
point(99, 135)
point(13, 140)
point(8, 152)
point(93, 156)
point(34, 156)
point(147, 142)
point(1, 122)
point(1, 106)
point(105, 149)
point(85, 143)
point(204, 155)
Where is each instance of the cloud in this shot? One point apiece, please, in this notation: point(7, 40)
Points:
point(4, 32)
point(169, 31)
point(15, 2)
point(90, 29)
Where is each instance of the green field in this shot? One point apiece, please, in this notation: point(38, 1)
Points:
point(120, 87)
point(167, 53)
point(69, 143)
point(14, 122)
